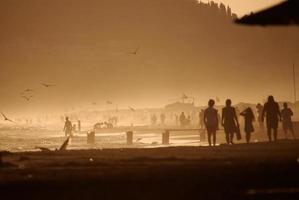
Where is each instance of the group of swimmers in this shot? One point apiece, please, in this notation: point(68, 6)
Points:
point(230, 123)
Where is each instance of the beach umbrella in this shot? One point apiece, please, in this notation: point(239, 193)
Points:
point(283, 14)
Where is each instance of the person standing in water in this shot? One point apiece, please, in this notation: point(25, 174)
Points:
point(211, 121)
point(229, 121)
point(287, 124)
point(68, 127)
point(273, 115)
point(248, 119)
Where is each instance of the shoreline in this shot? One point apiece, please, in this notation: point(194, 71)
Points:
point(221, 172)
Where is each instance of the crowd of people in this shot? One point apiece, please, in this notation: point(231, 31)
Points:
point(229, 120)
point(210, 120)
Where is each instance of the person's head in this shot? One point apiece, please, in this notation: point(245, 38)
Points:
point(66, 118)
point(258, 105)
point(285, 105)
point(249, 110)
point(228, 102)
point(211, 103)
point(271, 99)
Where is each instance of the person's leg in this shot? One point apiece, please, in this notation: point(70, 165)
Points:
point(275, 134)
point(232, 137)
point(269, 134)
point(227, 138)
point(209, 137)
point(214, 138)
point(285, 130)
point(247, 137)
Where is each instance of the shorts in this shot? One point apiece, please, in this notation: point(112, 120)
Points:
point(211, 129)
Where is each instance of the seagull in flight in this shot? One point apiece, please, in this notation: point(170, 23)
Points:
point(47, 85)
point(7, 119)
point(132, 109)
point(27, 98)
point(136, 51)
point(109, 102)
point(28, 90)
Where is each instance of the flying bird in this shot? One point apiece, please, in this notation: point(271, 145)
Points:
point(27, 98)
point(136, 51)
point(7, 119)
point(184, 96)
point(28, 90)
point(109, 102)
point(132, 109)
point(47, 85)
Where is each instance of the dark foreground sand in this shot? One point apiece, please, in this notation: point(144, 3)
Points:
point(256, 171)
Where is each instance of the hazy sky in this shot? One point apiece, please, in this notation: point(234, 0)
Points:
point(84, 46)
point(241, 7)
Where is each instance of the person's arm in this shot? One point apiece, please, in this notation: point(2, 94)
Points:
point(205, 118)
point(243, 113)
point(291, 112)
point(64, 127)
point(279, 113)
point(263, 113)
point(222, 118)
point(236, 118)
point(217, 120)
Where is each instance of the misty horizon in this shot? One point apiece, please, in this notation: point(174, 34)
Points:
point(86, 52)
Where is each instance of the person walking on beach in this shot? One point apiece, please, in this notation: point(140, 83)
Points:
point(260, 109)
point(182, 119)
point(229, 121)
point(68, 127)
point(272, 112)
point(211, 121)
point(248, 120)
point(201, 119)
point(287, 124)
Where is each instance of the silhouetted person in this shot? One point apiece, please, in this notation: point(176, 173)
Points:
point(79, 125)
point(182, 119)
point(287, 124)
point(248, 120)
point(154, 119)
point(188, 120)
point(260, 109)
point(201, 119)
point(177, 120)
point(211, 121)
point(162, 118)
point(68, 127)
point(229, 121)
point(271, 109)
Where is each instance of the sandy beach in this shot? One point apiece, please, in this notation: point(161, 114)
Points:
point(259, 171)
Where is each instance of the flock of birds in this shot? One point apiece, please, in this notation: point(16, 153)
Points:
point(27, 95)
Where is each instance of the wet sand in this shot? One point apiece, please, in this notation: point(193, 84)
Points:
point(255, 171)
